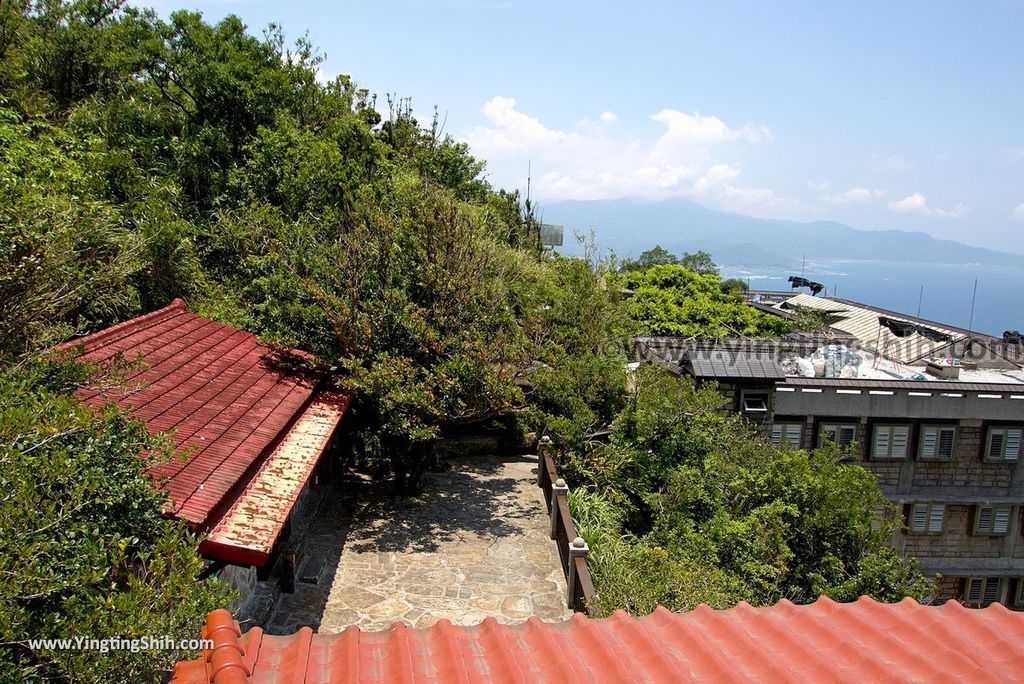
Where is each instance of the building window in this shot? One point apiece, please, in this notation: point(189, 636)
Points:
point(982, 591)
point(878, 519)
point(1003, 444)
point(754, 402)
point(927, 518)
point(1020, 592)
point(787, 433)
point(841, 434)
point(992, 520)
point(937, 442)
point(890, 441)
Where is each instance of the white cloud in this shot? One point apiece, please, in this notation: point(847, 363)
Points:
point(594, 160)
point(1018, 212)
point(894, 162)
point(918, 204)
point(818, 186)
point(699, 129)
point(853, 196)
point(1014, 152)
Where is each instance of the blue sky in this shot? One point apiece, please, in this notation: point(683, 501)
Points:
point(905, 115)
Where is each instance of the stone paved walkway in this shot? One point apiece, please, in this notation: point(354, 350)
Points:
point(473, 544)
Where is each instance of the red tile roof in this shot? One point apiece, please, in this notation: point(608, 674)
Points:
point(821, 642)
point(226, 398)
point(247, 532)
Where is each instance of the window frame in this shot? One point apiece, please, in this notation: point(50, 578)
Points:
point(783, 426)
point(939, 428)
point(995, 508)
point(929, 517)
point(891, 441)
point(1019, 598)
point(1004, 431)
point(758, 395)
point(836, 428)
point(985, 582)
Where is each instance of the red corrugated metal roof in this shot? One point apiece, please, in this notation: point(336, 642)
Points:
point(225, 397)
point(246, 533)
point(821, 642)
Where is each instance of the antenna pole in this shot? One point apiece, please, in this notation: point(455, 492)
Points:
point(970, 325)
point(528, 170)
point(920, 297)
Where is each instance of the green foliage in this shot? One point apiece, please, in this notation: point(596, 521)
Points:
point(84, 549)
point(699, 262)
point(151, 158)
point(687, 504)
point(672, 299)
point(652, 257)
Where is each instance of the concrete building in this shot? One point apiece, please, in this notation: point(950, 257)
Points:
point(935, 411)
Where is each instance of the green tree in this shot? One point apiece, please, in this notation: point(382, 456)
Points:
point(699, 262)
point(84, 548)
point(671, 299)
point(652, 257)
point(694, 506)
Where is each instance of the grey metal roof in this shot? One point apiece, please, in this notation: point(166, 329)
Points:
point(895, 383)
point(734, 364)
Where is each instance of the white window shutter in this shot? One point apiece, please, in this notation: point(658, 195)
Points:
point(846, 435)
point(1001, 520)
point(876, 520)
point(984, 519)
point(882, 435)
point(1012, 445)
point(995, 444)
point(793, 434)
point(935, 517)
point(973, 593)
point(776, 434)
point(929, 440)
point(919, 517)
point(947, 436)
point(991, 590)
point(900, 439)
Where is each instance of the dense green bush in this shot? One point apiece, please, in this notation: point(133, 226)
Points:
point(670, 299)
point(84, 548)
point(687, 504)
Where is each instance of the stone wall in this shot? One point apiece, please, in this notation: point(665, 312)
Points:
point(241, 579)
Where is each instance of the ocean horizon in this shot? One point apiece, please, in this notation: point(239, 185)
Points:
point(945, 298)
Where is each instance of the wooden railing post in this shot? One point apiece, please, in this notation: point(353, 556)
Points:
point(542, 450)
point(577, 547)
point(558, 489)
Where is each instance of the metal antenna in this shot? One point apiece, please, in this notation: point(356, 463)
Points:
point(970, 325)
point(920, 297)
point(528, 180)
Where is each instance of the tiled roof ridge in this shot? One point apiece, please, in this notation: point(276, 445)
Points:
point(173, 308)
point(225, 662)
point(234, 656)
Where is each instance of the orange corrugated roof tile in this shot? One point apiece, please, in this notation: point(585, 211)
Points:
point(821, 642)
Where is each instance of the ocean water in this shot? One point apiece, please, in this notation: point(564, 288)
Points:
point(946, 296)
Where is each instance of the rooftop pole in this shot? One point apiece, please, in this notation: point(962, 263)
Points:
point(970, 325)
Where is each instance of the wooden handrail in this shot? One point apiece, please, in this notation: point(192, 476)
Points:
point(563, 531)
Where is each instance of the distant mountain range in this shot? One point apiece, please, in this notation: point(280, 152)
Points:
point(630, 226)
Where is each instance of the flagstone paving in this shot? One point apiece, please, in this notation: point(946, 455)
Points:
point(473, 544)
